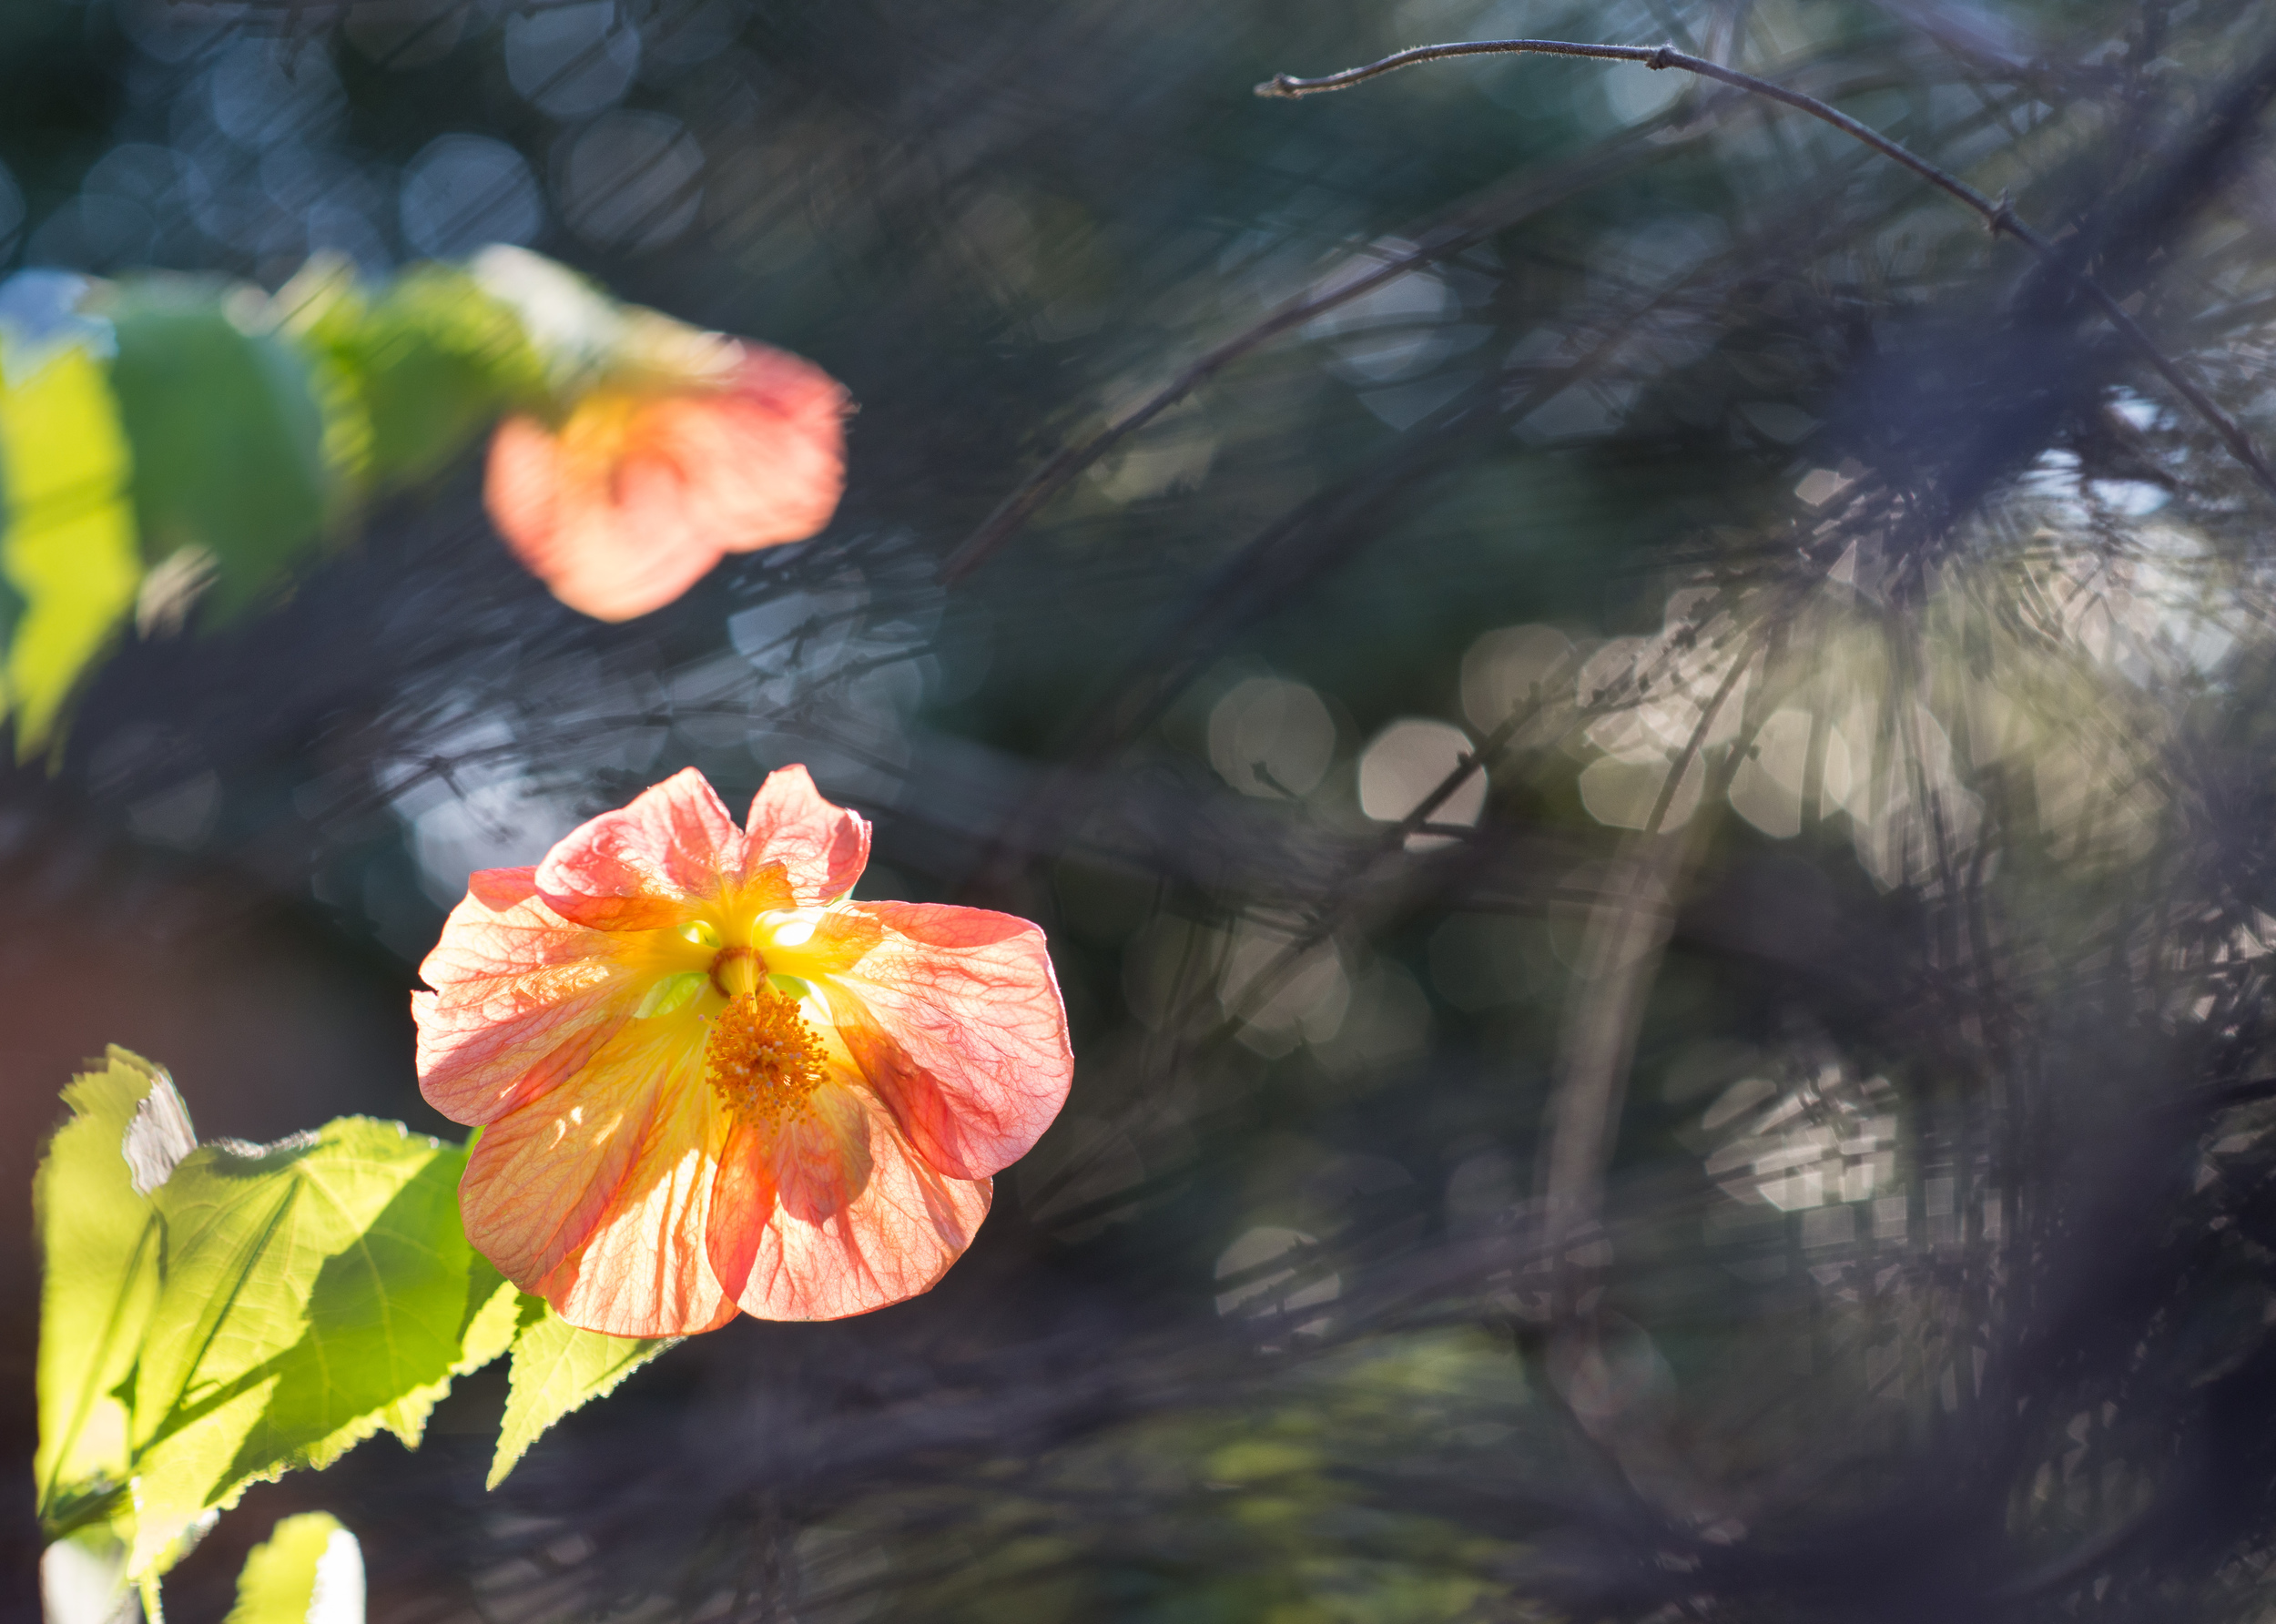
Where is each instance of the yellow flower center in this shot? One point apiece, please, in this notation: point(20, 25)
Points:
point(736, 970)
point(595, 434)
point(762, 1056)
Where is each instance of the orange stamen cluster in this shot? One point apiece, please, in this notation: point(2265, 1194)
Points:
point(763, 1058)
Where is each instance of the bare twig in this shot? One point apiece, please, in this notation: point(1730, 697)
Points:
point(1997, 214)
point(1471, 224)
point(1619, 959)
point(1344, 897)
point(1181, 647)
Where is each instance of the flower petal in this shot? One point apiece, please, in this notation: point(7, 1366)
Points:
point(521, 487)
point(823, 847)
point(501, 889)
point(521, 997)
point(766, 459)
point(643, 866)
point(821, 1157)
point(955, 1018)
point(639, 494)
point(892, 1241)
point(744, 1201)
point(836, 940)
point(614, 543)
point(596, 1196)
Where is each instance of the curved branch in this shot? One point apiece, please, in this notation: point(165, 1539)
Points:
point(1998, 215)
point(1468, 225)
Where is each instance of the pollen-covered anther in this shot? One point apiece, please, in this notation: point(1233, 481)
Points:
point(763, 1058)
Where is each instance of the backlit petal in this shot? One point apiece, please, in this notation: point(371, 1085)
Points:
point(955, 1018)
point(501, 889)
point(521, 487)
point(646, 865)
point(766, 456)
point(595, 1197)
point(822, 847)
point(614, 542)
point(892, 1242)
point(637, 496)
point(821, 1158)
point(521, 997)
point(743, 1203)
point(836, 940)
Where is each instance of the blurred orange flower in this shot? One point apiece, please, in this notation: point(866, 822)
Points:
point(655, 475)
point(708, 1080)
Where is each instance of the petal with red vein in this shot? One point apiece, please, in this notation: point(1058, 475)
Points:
point(822, 1156)
point(643, 1270)
point(642, 866)
point(501, 889)
point(743, 1203)
point(811, 1168)
point(822, 847)
point(521, 999)
point(609, 1175)
point(895, 1240)
point(955, 1018)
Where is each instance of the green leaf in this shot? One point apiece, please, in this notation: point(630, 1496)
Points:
point(558, 1368)
point(433, 358)
point(68, 553)
point(82, 1579)
point(671, 992)
point(99, 1240)
point(308, 1571)
point(315, 1290)
point(229, 432)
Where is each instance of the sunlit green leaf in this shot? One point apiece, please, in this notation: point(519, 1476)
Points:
point(228, 431)
point(558, 1368)
point(99, 1241)
point(316, 1290)
point(309, 1570)
point(68, 550)
point(82, 1579)
point(433, 358)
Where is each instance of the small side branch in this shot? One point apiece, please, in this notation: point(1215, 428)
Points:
point(1438, 242)
point(1997, 214)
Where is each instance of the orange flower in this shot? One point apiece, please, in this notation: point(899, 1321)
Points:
point(707, 1081)
point(654, 476)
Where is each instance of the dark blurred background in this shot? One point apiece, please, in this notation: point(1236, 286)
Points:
point(1657, 827)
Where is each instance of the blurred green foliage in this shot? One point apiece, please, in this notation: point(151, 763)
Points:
point(227, 437)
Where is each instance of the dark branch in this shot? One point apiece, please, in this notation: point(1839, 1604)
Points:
point(1998, 215)
point(1449, 236)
